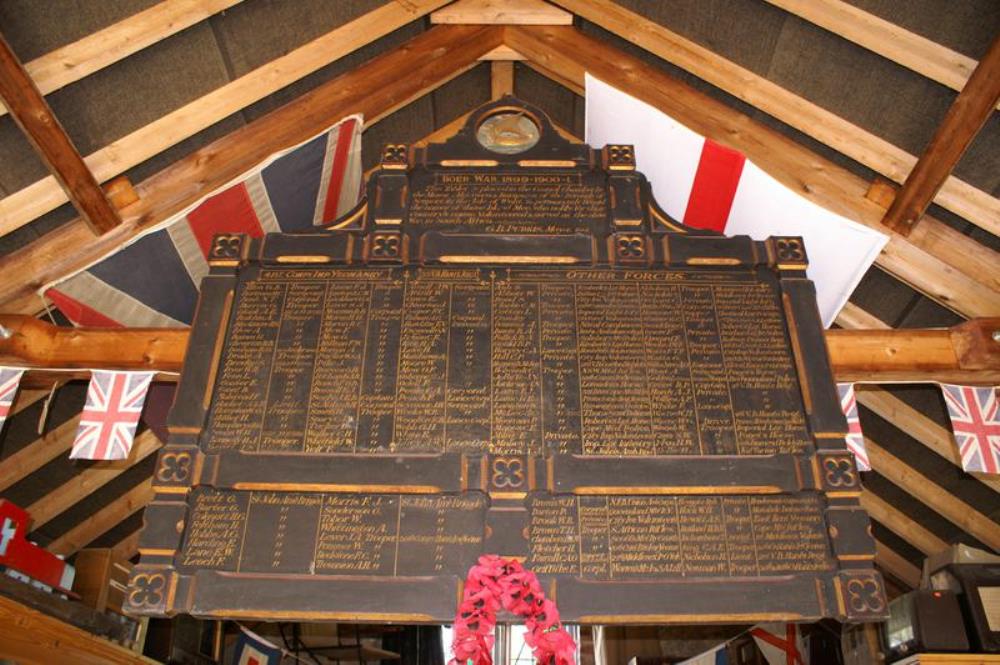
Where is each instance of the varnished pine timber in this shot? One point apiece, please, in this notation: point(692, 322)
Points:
point(96, 51)
point(965, 353)
point(900, 524)
point(933, 495)
point(502, 12)
point(42, 196)
point(31, 637)
point(949, 270)
point(967, 115)
point(374, 89)
point(32, 114)
point(501, 79)
point(896, 565)
point(89, 480)
point(103, 520)
point(38, 453)
point(963, 199)
point(893, 42)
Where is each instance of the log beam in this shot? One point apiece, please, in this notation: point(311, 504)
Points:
point(373, 89)
point(966, 353)
point(32, 114)
point(967, 115)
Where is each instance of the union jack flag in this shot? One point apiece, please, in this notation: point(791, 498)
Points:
point(9, 380)
point(855, 439)
point(109, 418)
point(975, 419)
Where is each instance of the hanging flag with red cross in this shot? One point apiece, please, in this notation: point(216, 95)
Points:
point(111, 414)
point(10, 379)
point(787, 650)
point(855, 439)
point(251, 649)
point(975, 419)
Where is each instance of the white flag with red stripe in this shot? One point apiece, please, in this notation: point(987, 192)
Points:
point(708, 186)
point(781, 643)
point(10, 379)
point(110, 415)
point(855, 439)
point(975, 420)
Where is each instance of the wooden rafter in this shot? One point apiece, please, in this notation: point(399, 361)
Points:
point(501, 78)
point(96, 51)
point(103, 520)
point(891, 161)
point(889, 355)
point(933, 495)
point(89, 480)
point(374, 89)
point(38, 453)
point(896, 565)
point(902, 525)
point(32, 114)
point(501, 12)
point(36, 199)
point(967, 115)
point(960, 284)
point(893, 42)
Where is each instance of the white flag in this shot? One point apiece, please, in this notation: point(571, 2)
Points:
point(706, 185)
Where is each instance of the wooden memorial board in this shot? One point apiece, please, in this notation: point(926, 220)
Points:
point(507, 348)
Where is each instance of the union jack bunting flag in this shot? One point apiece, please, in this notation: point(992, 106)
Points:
point(154, 280)
point(9, 380)
point(109, 418)
point(855, 439)
point(780, 644)
point(975, 419)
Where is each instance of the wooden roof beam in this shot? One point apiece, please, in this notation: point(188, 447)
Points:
point(32, 114)
point(374, 89)
point(948, 270)
point(893, 42)
point(29, 203)
point(896, 565)
point(96, 51)
point(501, 12)
point(967, 115)
point(900, 524)
point(933, 495)
point(966, 352)
point(973, 204)
point(89, 480)
point(38, 453)
point(103, 520)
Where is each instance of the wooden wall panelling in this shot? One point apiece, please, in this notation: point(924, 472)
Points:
point(32, 114)
point(962, 286)
point(967, 115)
point(374, 89)
point(23, 206)
point(96, 51)
point(877, 154)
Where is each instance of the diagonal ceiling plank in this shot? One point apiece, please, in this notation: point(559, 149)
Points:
point(374, 89)
point(860, 145)
point(103, 520)
point(893, 42)
point(96, 51)
point(967, 115)
point(896, 565)
point(38, 453)
point(89, 480)
point(901, 524)
point(70, 176)
point(569, 53)
point(933, 495)
point(36, 199)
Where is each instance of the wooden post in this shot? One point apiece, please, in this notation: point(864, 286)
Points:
point(501, 78)
point(32, 114)
point(967, 115)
